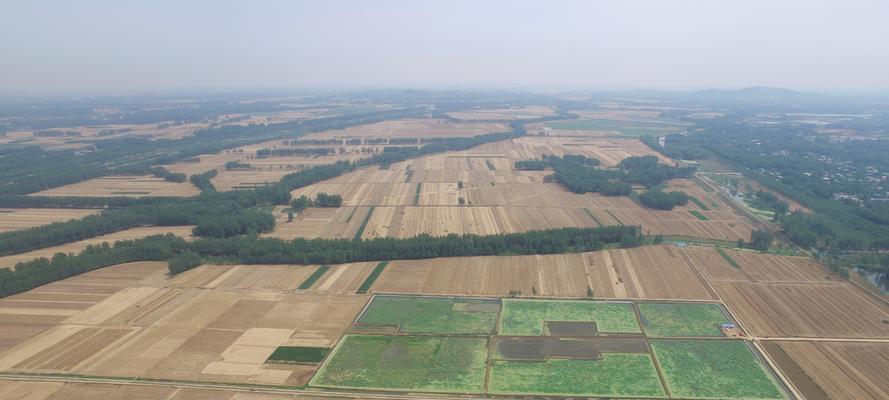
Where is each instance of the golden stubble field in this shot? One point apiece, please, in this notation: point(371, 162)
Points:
point(510, 113)
point(413, 128)
point(14, 219)
point(124, 186)
point(423, 195)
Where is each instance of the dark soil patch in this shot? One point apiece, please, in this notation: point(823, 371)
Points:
point(805, 384)
point(571, 328)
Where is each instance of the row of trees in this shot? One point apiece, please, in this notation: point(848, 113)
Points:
point(168, 176)
point(182, 255)
point(321, 200)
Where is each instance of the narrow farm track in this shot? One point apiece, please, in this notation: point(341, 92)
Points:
point(339, 394)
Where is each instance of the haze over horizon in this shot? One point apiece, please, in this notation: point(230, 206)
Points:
point(103, 47)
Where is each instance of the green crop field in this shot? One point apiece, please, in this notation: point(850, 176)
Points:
point(289, 354)
point(614, 375)
point(682, 319)
point(446, 315)
point(627, 128)
point(420, 363)
point(526, 317)
point(713, 369)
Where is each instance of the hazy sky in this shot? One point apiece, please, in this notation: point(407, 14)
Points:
point(155, 45)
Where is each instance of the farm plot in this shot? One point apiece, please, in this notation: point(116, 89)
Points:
point(412, 128)
point(14, 219)
point(219, 323)
point(623, 375)
point(441, 315)
point(682, 319)
point(406, 363)
point(834, 370)
point(837, 310)
point(758, 267)
point(531, 317)
point(327, 223)
point(124, 186)
point(645, 272)
point(510, 113)
point(713, 369)
point(76, 247)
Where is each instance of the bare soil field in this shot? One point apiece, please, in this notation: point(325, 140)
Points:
point(328, 223)
point(649, 272)
point(512, 113)
point(76, 247)
point(126, 186)
point(758, 267)
point(412, 128)
point(835, 310)
point(14, 219)
point(834, 370)
point(212, 323)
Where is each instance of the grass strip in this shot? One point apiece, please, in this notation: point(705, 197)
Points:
point(728, 258)
point(314, 277)
point(593, 216)
point(363, 224)
point(490, 165)
point(295, 354)
point(349, 218)
point(698, 215)
point(372, 277)
point(417, 195)
point(698, 203)
point(615, 217)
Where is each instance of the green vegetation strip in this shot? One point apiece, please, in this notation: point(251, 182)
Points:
point(728, 258)
point(406, 363)
point(372, 277)
point(314, 277)
point(593, 216)
point(698, 203)
point(623, 375)
point(290, 354)
point(698, 215)
point(490, 165)
point(526, 317)
point(682, 319)
point(417, 194)
point(363, 224)
point(717, 369)
point(445, 315)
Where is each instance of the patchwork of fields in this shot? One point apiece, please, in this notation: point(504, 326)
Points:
point(543, 347)
point(124, 186)
point(14, 219)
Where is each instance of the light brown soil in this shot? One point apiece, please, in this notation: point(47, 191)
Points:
point(13, 219)
point(124, 186)
point(840, 370)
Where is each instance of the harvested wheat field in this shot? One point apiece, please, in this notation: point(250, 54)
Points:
point(758, 267)
point(14, 219)
point(124, 186)
point(609, 151)
point(76, 247)
point(212, 323)
point(412, 128)
point(835, 310)
point(316, 222)
point(656, 272)
point(834, 370)
point(511, 113)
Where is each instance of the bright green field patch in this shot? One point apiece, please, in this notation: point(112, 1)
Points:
point(423, 363)
point(526, 317)
point(681, 319)
point(713, 369)
point(614, 375)
point(433, 314)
